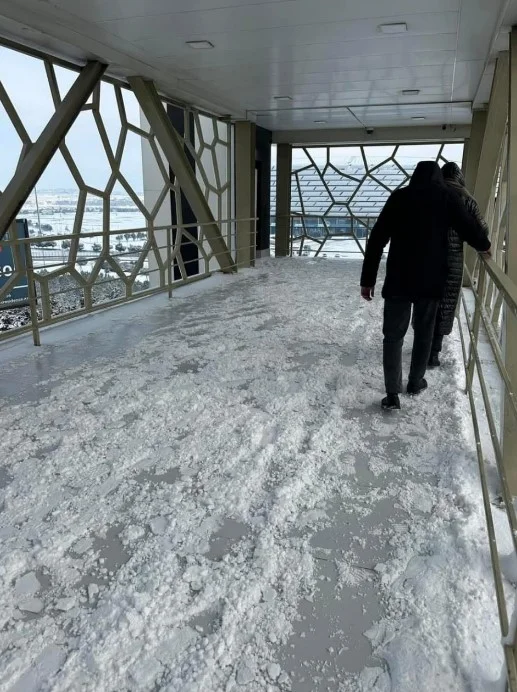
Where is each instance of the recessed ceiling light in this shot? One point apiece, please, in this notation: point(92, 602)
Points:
point(320, 122)
point(410, 92)
point(395, 28)
point(418, 117)
point(283, 98)
point(200, 45)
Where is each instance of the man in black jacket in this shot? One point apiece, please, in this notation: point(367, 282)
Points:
point(415, 221)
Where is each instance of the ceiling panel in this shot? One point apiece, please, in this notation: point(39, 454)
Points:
point(102, 11)
point(259, 16)
point(320, 32)
point(326, 55)
point(263, 78)
point(434, 114)
point(272, 55)
point(227, 74)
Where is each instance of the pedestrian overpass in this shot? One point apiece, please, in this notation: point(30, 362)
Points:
point(198, 490)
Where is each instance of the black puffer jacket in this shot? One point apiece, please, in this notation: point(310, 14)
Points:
point(416, 221)
point(447, 309)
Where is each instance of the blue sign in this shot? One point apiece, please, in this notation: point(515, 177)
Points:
point(19, 293)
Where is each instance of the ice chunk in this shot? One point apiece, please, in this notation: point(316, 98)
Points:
point(93, 591)
point(45, 666)
point(144, 673)
point(245, 674)
point(274, 670)
point(158, 525)
point(27, 585)
point(82, 545)
point(181, 638)
point(32, 605)
point(268, 594)
point(65, 604)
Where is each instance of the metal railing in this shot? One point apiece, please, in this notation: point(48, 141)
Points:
point(165, 246)
point(495, 300)
point(356, 231)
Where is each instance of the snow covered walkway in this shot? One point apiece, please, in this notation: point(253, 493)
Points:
point(203, 495)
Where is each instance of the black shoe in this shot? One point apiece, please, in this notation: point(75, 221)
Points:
point(391, 403)
point(434, 361)
point(414, 389)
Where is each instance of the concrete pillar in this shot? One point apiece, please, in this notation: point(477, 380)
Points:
point(283, 200)
point(510, 321)
point(245, 203)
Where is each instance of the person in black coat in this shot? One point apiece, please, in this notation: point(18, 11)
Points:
point(415, 221)
point(455, 179)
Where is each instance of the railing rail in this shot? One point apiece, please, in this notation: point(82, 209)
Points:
point(164, 245)
point(298, 242)
point(492, 291)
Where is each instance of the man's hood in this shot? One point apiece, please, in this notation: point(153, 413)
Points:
point(427, 173)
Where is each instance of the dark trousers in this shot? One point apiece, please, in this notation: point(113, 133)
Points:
point(397, 316)
point(437, 343)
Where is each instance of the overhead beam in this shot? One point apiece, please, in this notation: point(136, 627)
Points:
point(41, 152)
point(172, 146)
point(384, 135)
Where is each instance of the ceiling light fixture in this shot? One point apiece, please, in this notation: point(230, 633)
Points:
point(283, 98)
point(200, 45)
point(418, 117)
point(395, 28)
point(320, 122)
point(410, 92)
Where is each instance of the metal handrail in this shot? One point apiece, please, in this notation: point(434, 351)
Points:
point(473, 365)
point(133, 231)
point(170, 254)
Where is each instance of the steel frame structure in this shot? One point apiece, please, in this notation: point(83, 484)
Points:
point(208, 188)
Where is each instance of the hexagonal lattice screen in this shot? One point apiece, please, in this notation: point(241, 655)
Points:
point(93, 229)
point(337, 193)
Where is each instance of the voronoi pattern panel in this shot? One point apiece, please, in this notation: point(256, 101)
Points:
point(92, 229)
point(209, 142)
point(337, 193)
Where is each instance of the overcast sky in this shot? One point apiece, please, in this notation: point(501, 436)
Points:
point(25, 81)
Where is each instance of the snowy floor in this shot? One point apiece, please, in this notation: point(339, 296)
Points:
point(203, 495)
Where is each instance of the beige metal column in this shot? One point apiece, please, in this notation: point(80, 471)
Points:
point(470, 168)
point(284, 154)
point(510, 321)
point(245, 203)
point(41, 152)
point(494, 134)
point(475, 144)
point(172, 146)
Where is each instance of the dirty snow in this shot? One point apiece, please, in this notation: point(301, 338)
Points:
point(172, 516)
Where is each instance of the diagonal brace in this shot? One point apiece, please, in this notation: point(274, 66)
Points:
point(172, 146)
point(40, 154)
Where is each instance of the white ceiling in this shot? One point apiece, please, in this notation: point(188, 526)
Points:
point(327, 55)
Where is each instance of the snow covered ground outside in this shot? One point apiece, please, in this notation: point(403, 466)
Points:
point(203, 495)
